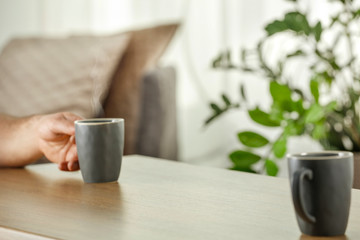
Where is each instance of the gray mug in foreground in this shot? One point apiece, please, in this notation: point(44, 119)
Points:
point(321, 190)
point(100, 144)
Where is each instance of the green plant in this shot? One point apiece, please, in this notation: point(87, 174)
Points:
point(328, 109)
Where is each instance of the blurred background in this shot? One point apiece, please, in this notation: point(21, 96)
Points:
point(207, 27)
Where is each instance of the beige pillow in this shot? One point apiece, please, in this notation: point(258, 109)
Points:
point(44, 75)
point(144, 50)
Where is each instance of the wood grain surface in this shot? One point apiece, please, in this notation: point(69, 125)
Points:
point(153, 199)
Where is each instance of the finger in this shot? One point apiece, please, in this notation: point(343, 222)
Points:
point(73, 166)
point(72, 154)
point(62, 126)
point(72, 159)
point(71, 117)
point(63, 166)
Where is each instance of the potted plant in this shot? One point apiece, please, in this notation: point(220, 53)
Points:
point(327, 109)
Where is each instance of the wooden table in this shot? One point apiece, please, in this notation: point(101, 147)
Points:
point(153, 199)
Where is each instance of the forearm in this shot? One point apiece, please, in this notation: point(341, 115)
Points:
point(19, 141)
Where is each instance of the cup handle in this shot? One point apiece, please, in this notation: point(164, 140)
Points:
point(298, 194)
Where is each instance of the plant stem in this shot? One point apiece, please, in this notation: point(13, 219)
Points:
point(268, 154)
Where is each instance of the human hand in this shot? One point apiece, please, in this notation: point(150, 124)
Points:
point(57, 139)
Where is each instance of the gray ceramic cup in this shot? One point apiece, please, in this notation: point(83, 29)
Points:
point(321, 191)
point(100, 144)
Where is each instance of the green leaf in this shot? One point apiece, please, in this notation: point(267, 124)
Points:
point(242, 91)
point(228, 55)
point(243, 159)
point(333, 63)
point(243, 169)
point(217, 61)
point(276, 112)
point(314, 114)
point(294, 21)
point(271, 168)
point(263, 118)
point(317, 31)
point(215, 107)
point(298, 106)
point(246, 69)
point(226, 99)
point(280, 92)
point(294, 128)
point(299, 92)
point(326, 77)
point(276, 27)
point(223, 60)
point(331, 106)
point(243, 54)
point(252, 139)
point(281, 95)
point(334, 19)
point(319, 131)
point(356, 13)
point(279, 147)
point(298, 52)
point(210, 119)
point(297, 22)
point(342, 1)
point(314, 88)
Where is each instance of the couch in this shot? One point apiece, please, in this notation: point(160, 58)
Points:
point(114, 76)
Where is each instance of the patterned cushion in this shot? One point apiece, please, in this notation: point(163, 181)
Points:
point(44, 75)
